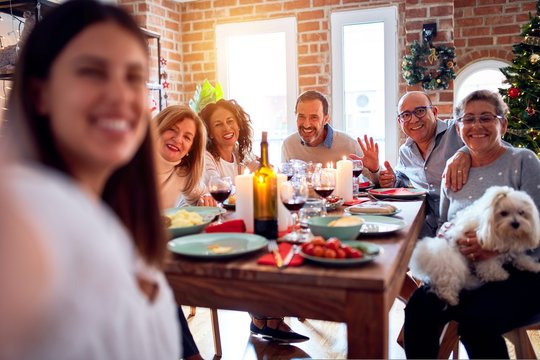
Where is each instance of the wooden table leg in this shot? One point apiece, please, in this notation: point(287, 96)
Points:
point(367, 326)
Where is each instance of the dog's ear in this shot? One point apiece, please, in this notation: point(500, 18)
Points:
point(486, 207)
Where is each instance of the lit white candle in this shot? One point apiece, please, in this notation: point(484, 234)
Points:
point(244, 199)
point(344, 179)
point(284, 215)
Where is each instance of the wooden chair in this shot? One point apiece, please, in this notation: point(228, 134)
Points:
point(215, 328)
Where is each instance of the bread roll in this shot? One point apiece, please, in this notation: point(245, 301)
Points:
point(370, 208)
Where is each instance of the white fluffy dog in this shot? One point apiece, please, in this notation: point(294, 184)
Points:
point(505, 220)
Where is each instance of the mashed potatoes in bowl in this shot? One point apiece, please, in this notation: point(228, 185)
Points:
point(187, 221)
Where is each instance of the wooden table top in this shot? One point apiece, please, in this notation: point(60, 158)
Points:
point(360, 296)
point(376, 275)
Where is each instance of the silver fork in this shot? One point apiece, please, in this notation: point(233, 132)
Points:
point(274, 249)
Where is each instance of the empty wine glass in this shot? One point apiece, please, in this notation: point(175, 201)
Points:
point(293, 195)
point(358, 166)
point(324, 182)
point(220, 188)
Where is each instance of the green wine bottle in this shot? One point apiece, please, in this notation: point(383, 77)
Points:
point(265, 208)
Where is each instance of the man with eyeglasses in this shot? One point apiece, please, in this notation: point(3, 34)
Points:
point(423, 157)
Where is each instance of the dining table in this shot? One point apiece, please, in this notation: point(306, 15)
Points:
point(359, 296)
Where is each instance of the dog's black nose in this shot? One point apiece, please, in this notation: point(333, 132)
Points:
point(515, 224)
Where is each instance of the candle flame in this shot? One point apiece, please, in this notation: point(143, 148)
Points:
point(246, 171)
point(344, 157)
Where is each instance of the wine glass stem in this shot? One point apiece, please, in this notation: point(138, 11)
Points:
point(294, 231)
point(220, 207)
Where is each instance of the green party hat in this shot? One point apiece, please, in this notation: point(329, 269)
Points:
point(204, 95)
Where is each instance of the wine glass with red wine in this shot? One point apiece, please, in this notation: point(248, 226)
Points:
point(324, 182)
point(358, 166)
point(220, 188)
point(293, 195)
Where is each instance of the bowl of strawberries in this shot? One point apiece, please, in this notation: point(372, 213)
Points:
point(335, 252)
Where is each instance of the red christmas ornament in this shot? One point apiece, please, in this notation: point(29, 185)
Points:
point(530, 111)
point(163, 61)
point(165, 85)
point(513, 92)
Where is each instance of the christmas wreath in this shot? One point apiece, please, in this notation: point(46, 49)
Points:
point(417, 67)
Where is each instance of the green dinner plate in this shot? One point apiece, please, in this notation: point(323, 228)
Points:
point(370, 250)
point(217, 245)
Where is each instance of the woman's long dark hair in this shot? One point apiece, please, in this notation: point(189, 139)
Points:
point(131, 190)
point(243, 119)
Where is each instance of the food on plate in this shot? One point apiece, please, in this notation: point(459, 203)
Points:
point(330, 249)
point(218, 249)
point(333, 199)
point(373, 207)
point(183, 218)
point(346, 221)
point(232, 200)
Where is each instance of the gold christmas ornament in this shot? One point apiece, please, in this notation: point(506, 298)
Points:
point(534, 58)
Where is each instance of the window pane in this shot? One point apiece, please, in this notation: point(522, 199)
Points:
point(490, 79)
point(363, 81)
point(262, 93)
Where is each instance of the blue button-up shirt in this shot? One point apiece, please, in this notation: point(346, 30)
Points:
point(415, 171)
point(327, 143)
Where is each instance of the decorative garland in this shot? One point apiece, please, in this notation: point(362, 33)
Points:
point(413, 72)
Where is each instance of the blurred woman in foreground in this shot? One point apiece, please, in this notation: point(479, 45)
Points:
point(84, 177)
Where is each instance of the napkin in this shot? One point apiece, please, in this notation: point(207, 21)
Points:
point(284, 248)
point(364, 184)
point(355, 201)
point(236, 225)
point(397, 191)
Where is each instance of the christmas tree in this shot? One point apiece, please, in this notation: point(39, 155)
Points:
point(523, 95)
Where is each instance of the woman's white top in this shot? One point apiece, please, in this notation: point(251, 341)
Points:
point(96, 310)
point(222, 168)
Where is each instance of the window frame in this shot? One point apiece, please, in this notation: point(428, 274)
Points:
point(389, 16)
point(472, 68)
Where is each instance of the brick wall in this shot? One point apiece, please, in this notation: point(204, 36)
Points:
point(480, 29)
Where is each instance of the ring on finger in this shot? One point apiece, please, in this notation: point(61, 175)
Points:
point(472, 257)
point(459, 171)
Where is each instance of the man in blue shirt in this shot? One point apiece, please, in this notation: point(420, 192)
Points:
point(423, 157)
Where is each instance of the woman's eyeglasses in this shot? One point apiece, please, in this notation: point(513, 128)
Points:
point(419, 112)
point(484, 119)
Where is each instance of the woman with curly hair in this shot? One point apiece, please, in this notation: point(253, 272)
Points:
point(228, 153)
point(229, 145)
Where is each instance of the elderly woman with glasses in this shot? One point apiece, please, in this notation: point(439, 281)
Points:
point(483, 314)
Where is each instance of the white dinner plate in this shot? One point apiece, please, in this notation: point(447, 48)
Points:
point(374, 224)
